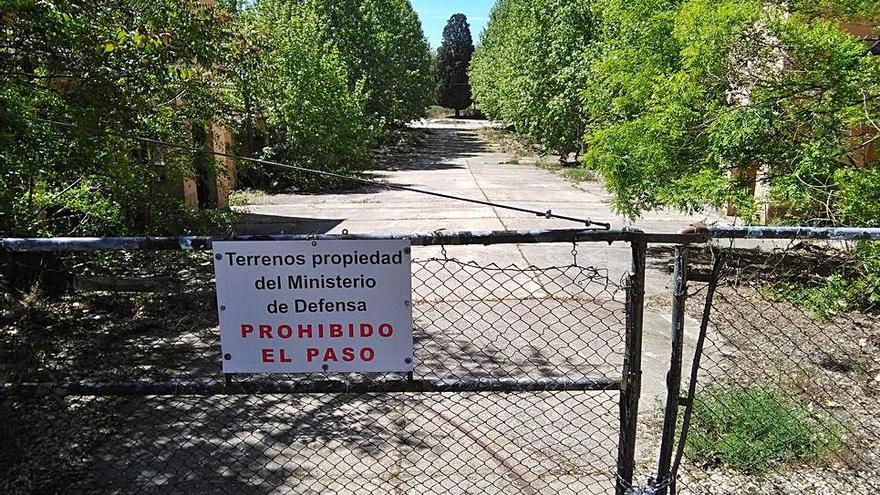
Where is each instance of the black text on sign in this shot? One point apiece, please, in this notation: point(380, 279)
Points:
point(307, 306)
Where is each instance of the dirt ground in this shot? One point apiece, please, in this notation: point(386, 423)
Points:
point(830, 365)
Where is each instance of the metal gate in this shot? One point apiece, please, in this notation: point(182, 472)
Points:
point(526, 380)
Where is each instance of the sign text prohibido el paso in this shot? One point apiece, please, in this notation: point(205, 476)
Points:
point(306, 306)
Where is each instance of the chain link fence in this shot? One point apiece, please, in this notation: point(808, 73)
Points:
point(523, 363)
point(527, 379)
point(788, 395)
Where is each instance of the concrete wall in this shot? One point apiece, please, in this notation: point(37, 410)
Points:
point(223, 180)
point(864, 155)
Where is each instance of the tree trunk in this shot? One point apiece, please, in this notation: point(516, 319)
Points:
point(457, 113)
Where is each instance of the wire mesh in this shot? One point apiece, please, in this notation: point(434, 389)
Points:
point(471, 320)
point(789, 387)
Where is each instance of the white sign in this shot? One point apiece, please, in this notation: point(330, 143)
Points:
point(306, 306)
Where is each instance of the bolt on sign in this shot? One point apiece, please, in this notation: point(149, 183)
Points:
point(306, 306)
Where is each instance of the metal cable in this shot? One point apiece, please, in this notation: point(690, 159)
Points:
point(546, 214)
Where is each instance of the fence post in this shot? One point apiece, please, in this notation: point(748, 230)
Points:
point(631, 383)
point(673, 377)
point(695, 366)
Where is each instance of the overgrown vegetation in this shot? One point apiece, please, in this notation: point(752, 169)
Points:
point(687, 103)
point(529, 69)
point(691, 104)
point(328, 79)
point(756, 429)
point(316, 83)
point(110, 69)
point(855, 285)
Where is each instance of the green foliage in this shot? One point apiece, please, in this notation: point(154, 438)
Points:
point(328, 78)
point(112, 69)
point(452, 64)
point(300, 86)
point(660, 120)
point(530, 66)
point(857, 196)
point(315, 83)
point(383, 48)
point(681, 103)
point(756, 429)
point(717, 87)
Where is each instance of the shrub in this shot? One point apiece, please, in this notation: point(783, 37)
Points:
point(327, 79)
point(104, 70)
point(80, 80)
point(677, 102)
point(696, 89)
point(754, 429)
point(854, 285)
point(300, 86)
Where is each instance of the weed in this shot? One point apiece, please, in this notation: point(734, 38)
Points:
point(547, 163)
point(508, 141)
point(580, 174)
point(855, 285)
point(570, 172)
point(754, 429)
point(242, 197)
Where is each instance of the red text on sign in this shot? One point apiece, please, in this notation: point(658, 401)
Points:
point(320, 331)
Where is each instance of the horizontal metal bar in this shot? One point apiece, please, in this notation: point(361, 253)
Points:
point(63, 244)
point(69, 244)
point(444, 238)
point(833, 233)
point(244, 386)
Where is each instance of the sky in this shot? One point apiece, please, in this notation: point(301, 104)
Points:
point(435, 13)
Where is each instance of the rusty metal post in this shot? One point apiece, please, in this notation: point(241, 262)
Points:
point(673, 377)
point(695, 366)
point(631, 384)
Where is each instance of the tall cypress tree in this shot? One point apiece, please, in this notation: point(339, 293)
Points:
point(453, 61)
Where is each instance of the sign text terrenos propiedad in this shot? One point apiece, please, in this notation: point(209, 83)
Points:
point(305, 306)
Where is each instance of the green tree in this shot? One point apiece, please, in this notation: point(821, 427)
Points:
point(383, 47)
point(300, 87)
point(492, 68)
point(111, 69)
point(403, 85)
point(692, 101)
point(689, 103)
point(453, 61)
point(530, 67)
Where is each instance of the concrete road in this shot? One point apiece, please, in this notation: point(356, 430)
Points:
point(484, 315)
point(457, 161)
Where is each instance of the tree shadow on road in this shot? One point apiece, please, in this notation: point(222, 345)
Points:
point(440, 148)
point(247, 444)
point(261, 224)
